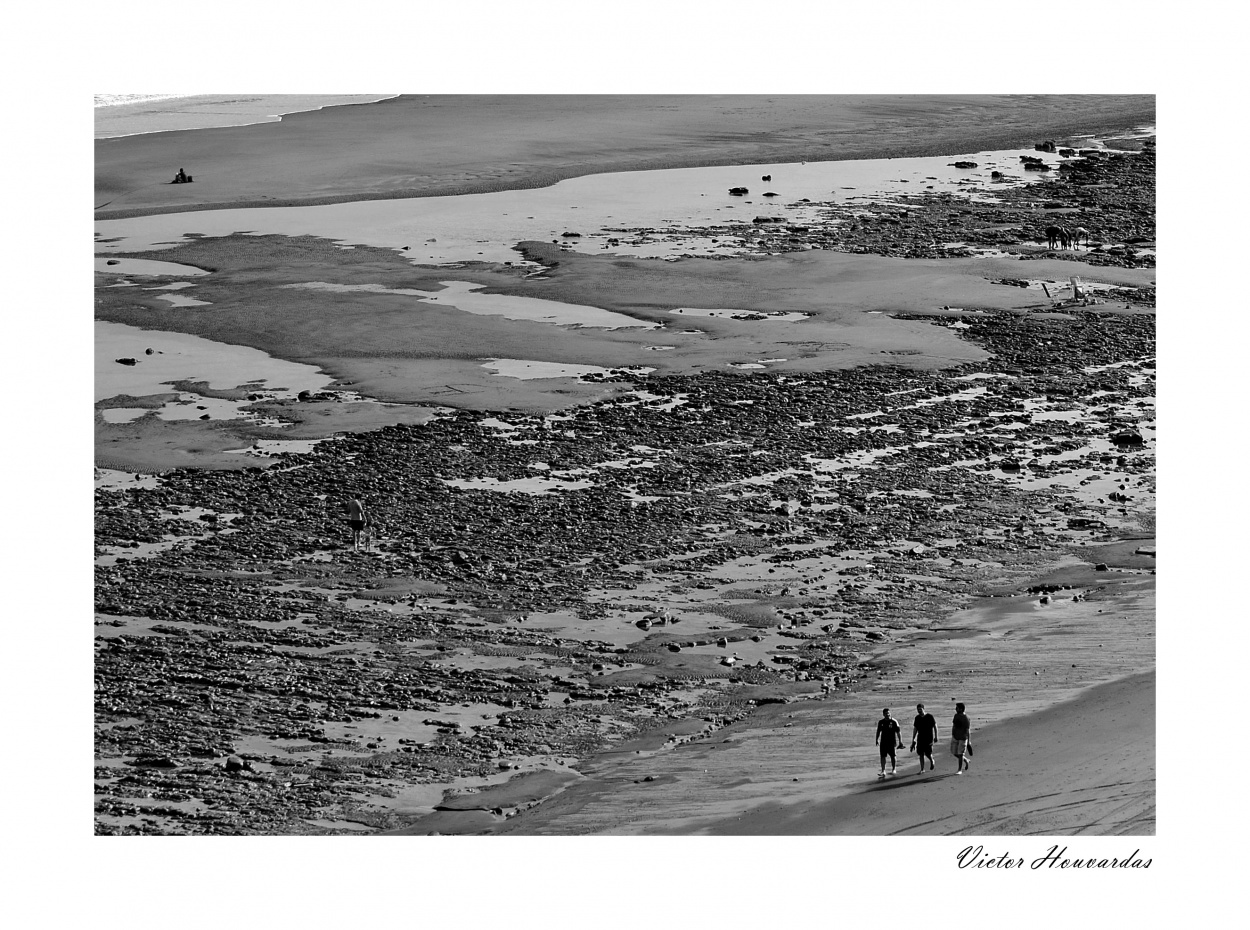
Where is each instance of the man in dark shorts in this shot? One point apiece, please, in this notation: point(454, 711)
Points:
point(961, 734)
point(924, 733)
point(357, 519)
point(888, 738)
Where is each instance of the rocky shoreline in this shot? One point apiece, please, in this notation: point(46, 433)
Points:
point(1110, 194)
point(249, 667)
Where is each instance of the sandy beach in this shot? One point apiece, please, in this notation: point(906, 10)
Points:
point(666, 507)
point(420, 146)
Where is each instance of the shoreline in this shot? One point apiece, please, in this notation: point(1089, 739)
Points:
point(268, 118)
point(500, 166)
point(807, 767)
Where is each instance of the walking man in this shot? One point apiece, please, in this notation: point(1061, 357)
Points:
point(961, 733)
point(924, 733)
point(357, 519)
point(888, 738)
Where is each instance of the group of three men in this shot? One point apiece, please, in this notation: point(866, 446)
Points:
point(924, 733)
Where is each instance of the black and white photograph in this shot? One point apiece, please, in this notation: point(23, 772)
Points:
point(625, 464)
point(739, 480)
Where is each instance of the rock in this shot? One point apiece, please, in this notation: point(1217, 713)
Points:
point(149, 351)
point(965, 164)
point(1145, 550)
point(1101, 567)
point(1128, 437)
point(738, 191)
point(766, 177)
point(156, 762)
point(127, 361)
point(996, 175)
point(1047, 146)
point(571, 235)
point(769, 194)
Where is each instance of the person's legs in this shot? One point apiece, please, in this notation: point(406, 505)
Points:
point(883, 754)
point(893, 763)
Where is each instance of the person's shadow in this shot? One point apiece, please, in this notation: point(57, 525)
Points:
point(907, 781)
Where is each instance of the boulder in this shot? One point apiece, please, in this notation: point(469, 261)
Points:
point(127, 361)
point(965, 164)
point(738, 191)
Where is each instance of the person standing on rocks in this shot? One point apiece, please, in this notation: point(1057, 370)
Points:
point(961, 739)
point(888, 739)
point(924, 733)
point(357, 519)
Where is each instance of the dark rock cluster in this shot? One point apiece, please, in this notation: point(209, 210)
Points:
point(1110, 194)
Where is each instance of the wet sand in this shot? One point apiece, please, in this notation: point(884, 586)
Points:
point(1085, 767)
point(1067, 751)
point(415, 146)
